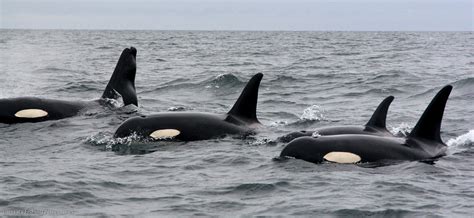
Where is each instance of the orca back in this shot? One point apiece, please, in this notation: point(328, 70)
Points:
point(39, 109)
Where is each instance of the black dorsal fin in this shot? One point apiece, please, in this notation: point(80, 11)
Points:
point(246, 106)
point(380, 114)
point(429, 125)
point(123, 78)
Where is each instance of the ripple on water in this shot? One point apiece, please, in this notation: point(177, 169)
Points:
point(375, 213)
point(76, 198)
point(250, 189)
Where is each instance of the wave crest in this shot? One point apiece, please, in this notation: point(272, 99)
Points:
point(463, 140)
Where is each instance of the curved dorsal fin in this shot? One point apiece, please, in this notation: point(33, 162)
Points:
point(246, 106)
point(380, 114)
point(429, 125)
point(123, 78)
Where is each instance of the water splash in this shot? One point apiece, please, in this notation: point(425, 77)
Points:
point(315, 134)
point(105, 139)
point(278, 123)
point(178, 108)
point(223, 80)
point(112, 102)
point(313, 113)
point(401, 130)
point(463, 140)
point(262, 141)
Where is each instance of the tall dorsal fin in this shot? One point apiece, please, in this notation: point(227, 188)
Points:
point(429, 125)
point(246, 106)
point(123, 78)
point(380, 114)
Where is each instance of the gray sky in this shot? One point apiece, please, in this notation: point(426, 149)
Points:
point(411, 15)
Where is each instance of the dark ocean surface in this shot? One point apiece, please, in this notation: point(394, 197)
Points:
point(311, 79)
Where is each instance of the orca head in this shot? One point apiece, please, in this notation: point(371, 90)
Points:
point(244, 110)
point(123, 78)
point(303, 148)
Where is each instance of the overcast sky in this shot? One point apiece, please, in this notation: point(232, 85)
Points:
point(412, 15)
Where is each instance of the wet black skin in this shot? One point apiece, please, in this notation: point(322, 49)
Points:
point(240, 120)
point(192, 126)
point(122, 82)
point(369, 148)
point(56, 109)
point(423, 143)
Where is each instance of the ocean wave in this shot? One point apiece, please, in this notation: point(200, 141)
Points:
point(152, 199)
point(261, 53)
point(309, 60)
point(104, 47)
point(284, 78)
point(251, 188)
point(78, 198)
point(390, 74)
point(279, 102)
point(58, 70)
point(465, 140)
point(81, 86)
point(465, 82)
point(221, 81)
point(240, 64)
point(346, 53)
point(376, 213)
point(384, 91)
point(464, 88)
point(460, 87)
point(373, 57)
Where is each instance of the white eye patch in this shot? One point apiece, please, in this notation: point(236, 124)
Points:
point(342, 157)
point(31, 113)
point(165, 133)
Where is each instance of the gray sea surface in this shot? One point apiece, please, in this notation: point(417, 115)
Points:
point(73, 166)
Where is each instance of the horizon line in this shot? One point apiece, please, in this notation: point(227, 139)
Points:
point(232, 30)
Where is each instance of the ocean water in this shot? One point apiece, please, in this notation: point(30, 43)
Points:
point(311, 79)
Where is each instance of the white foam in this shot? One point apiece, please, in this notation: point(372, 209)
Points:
point(31, 113)
point(401, 130)
point(464, 139)
point(165, 133)
point(342, 157)
point(278, 123)
point(313, 113)
point(315, 134)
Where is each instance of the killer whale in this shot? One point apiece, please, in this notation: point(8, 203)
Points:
point(423, 143)
point(33, 109)
point(375, 126)
point(185, 126)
